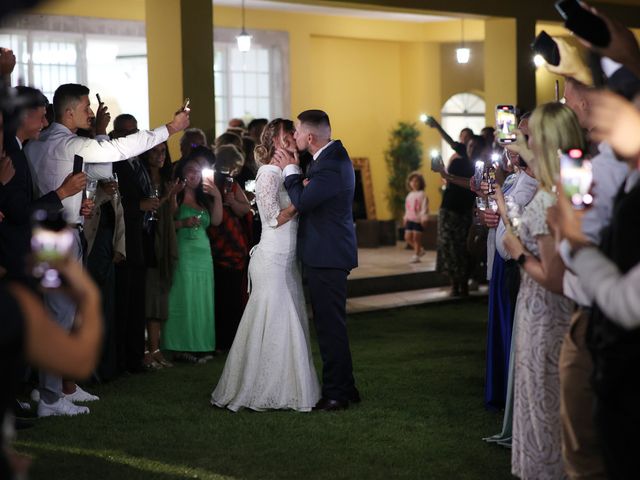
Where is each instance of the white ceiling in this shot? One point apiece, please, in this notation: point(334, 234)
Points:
point(323, 10)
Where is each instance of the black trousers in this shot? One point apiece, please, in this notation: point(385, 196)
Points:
point(617, 409)
point(328, 291)
point(512, 283)
point(102, 270)
point(230, 300)
point(130, 316)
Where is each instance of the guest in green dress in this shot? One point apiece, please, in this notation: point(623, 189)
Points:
point(190, 327)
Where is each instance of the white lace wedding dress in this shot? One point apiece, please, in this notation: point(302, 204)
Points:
point(269, 365)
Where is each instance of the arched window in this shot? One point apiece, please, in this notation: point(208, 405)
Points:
point(460, 111)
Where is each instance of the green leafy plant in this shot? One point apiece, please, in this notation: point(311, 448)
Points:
point(403, 157)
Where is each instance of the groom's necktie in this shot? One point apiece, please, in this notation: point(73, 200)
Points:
point(142, 177)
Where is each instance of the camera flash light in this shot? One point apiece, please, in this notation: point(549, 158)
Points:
point(539, 60)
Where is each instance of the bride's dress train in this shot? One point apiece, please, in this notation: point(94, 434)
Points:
point(269, 365)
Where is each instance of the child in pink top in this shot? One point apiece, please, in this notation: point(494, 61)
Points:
point(416, 214)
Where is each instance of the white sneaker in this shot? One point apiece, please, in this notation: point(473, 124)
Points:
point(204, 359)
point(81, 395)
point(62, 407)
point(415, 259)
point(35, 395)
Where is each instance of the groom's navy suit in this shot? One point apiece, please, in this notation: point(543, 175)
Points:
point(327, 247)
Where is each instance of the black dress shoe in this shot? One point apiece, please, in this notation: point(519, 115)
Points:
point(24, 413)
point(329, 405)
point(24, 423)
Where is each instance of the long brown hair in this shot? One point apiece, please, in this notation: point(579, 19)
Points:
point(265, 150)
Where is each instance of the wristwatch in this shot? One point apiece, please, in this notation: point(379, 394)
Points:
point(521, 259)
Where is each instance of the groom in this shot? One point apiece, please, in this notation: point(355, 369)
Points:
point(327, 246)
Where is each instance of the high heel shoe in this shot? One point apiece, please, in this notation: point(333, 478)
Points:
point(159, 358)
point(149, 362)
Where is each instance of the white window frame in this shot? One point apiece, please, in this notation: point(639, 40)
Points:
point(467, 106)
point(279, 81)
point(78, 29)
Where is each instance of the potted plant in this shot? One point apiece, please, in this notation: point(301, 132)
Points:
point(403, 157)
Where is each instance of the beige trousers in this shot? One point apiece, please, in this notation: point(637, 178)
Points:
point(580, 448)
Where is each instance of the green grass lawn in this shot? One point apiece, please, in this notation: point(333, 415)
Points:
point(420, 373)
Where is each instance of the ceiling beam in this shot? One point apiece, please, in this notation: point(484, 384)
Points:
point(537, 10)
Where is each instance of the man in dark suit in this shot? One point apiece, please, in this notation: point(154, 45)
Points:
point(326, 245)
point(21, 199)
point(135, 193)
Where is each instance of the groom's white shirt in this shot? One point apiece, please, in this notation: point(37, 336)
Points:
point(317, 154)
point(296, 170)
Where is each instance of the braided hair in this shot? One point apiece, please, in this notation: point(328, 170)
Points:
point(266, 148)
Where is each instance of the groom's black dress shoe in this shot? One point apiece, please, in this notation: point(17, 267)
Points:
point(355, 396)
point(329, 405)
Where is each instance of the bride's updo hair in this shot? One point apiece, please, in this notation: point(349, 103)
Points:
point(266, 148)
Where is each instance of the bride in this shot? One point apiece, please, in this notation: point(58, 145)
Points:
point(269, 365)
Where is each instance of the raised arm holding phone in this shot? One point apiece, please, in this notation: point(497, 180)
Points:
point(52, 158)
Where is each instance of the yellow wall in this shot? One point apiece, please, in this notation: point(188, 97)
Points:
point(114, 9)
point(368, 74)
point(459, 78)
point(381, 72)
point(164, 59)
point(363, 104)
point(420, 74)
point(500, 60)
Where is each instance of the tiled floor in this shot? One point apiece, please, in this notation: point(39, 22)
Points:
point(378, 262)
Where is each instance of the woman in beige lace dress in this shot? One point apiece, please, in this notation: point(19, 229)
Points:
point(542, 313)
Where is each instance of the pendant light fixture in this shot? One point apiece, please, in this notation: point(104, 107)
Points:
point(462, 53)
point(244, 39)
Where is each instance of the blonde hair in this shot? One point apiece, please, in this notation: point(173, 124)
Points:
point(266, 148)
point(553, 127)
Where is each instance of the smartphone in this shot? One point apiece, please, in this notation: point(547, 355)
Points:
point(185, 105)
point(577, 177)
point(490, 178)
point(228, 185)
point(506, 123)
point(98, 97)
point(78, 162)
point(437, 164)
point(51, 241)
point(250, 186)
point(478, 174)
point(583, 23)
point(545, 46)
point(207, 173)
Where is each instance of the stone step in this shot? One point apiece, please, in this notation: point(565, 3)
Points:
point(401, 282)
point(401, 299)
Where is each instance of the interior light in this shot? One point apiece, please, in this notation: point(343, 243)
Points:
point(463, 54)
point(244, 39)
